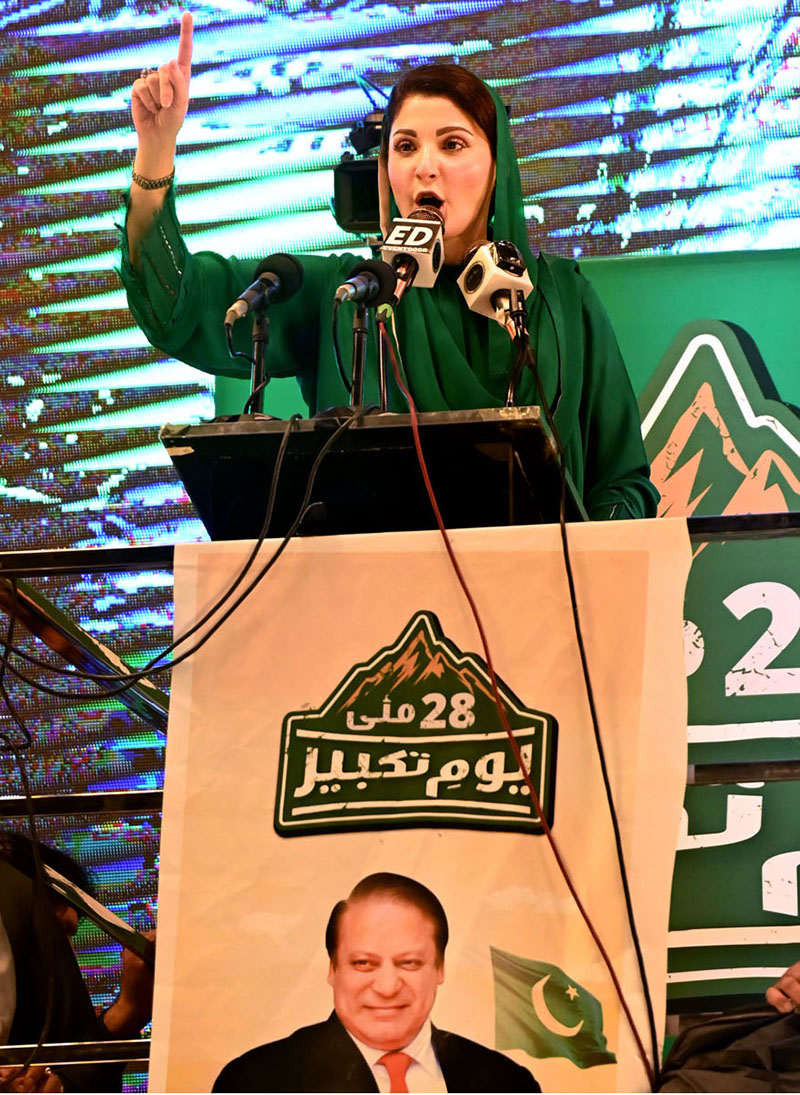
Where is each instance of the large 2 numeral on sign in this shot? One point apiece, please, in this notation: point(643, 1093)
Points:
point(751, 676)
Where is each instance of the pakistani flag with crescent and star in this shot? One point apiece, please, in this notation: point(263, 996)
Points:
point(542, 1011)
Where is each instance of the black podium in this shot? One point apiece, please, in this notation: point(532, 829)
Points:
point(488, 467)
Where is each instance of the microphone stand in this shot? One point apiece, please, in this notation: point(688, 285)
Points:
point(517, 317)
point(360, 318)
point(383, 383)
point(258, 375)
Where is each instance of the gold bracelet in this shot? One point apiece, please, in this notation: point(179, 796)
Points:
point(153, 184)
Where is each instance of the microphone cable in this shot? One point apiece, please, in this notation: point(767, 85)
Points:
point(41, 907)
point(151, 668)
point(651, 1070)
point(40, 892)
point(256, 392)
point(612, 810)
point(235, 353)
point(370, 281)
point(40, 888)
point(337, 353)
point(515, 323)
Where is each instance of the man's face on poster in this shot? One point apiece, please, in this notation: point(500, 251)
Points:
point(386, 971)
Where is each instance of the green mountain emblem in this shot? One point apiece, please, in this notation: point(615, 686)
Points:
point(413, 737)
point(718, 438)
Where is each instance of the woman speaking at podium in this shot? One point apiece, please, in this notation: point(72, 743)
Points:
point(446, 144)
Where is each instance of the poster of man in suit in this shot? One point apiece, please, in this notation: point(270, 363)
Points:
point(310, 754)
point(386, 944)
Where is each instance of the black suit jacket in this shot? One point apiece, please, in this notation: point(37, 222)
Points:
point(324, 1057)
point(39, 946)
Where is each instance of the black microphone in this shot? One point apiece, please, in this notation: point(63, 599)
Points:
point(370, 282)
point(495, 283)
point(414, 249)
point(277, 278)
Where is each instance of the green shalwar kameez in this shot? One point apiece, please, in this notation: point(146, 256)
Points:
point(454, 359)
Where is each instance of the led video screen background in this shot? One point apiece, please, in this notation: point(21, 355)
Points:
point(642, 128)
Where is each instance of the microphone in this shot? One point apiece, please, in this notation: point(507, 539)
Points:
point(370, 282)
point(414, 249)
point(277, 278)
point(495, 283)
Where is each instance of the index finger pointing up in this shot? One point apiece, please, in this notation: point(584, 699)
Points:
point(185, 45)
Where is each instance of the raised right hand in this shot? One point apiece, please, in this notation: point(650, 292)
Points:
point(160, 100)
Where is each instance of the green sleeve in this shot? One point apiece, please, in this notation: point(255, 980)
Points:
point(179, 300)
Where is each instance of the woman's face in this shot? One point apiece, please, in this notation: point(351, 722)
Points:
point(439, 156)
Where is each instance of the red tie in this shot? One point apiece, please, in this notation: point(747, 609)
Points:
point(396, 1064)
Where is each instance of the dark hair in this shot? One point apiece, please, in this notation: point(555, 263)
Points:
point(18, 850)
point(452, 82)
point(393, 887)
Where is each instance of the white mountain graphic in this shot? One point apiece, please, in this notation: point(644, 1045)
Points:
point(704, 460)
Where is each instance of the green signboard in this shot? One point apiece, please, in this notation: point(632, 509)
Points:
point(720, 442)
point(412, 736)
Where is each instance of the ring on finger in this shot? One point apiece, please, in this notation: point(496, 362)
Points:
point(147, 72)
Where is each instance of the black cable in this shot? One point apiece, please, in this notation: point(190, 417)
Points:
point(150, 668)
point(516, 371)
point(259, 388)
point(524, 353)
point(516, 325)
point(8, 645)
point(304, 507)
point(535, 801)
point(231, 351)
point(623, 872)
point(41, 906)
point(337, 353)
point(40, 891)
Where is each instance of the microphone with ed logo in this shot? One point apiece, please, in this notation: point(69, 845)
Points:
point(414, 250)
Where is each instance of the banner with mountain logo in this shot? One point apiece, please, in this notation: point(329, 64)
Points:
point(421, 712)
point(721, 441)
point(342, 722)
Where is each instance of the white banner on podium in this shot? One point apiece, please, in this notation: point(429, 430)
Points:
point(341, 724)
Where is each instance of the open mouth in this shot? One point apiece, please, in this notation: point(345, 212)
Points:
point(432, 200)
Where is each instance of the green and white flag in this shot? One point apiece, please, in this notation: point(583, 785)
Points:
point(542, 1011)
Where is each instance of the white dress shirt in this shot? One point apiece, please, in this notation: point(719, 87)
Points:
point(424, 1073)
